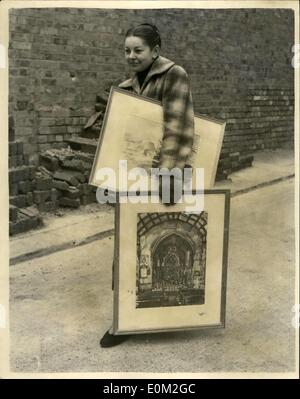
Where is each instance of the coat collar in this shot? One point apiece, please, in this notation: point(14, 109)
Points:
point(159, 66)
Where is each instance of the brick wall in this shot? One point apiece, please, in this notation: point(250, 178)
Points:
point(239, 62)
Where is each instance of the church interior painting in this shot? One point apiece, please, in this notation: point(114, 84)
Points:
point(171, 259)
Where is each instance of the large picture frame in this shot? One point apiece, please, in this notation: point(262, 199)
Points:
point(132, 130)
point(171, 266)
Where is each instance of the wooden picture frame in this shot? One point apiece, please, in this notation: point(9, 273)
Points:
point(170, 265)
point(132, 130)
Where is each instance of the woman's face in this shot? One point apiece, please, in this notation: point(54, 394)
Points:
point(138, 54)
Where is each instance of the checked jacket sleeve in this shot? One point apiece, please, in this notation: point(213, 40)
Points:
point(178, 115)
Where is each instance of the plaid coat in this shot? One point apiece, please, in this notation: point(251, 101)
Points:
point(169, 84)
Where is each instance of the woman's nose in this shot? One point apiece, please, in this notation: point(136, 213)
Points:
point(132, 55)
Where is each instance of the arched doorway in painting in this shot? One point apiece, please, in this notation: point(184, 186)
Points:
point(172, 264)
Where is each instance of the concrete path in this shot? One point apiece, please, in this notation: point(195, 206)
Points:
point(268, 167)
point(73, 229)
point(61, 304)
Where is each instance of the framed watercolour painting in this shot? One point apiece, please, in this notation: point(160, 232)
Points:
point(132, 131)
point(171, 265)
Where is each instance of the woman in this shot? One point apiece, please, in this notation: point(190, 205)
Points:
point(156, 77)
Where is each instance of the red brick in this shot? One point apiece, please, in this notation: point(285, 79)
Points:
point(68, 177)
point(24, 223)
point(13, 148)
point(68, 202)
point(13, 213)
point(29, 199)
point(32, 170)
point(20, 148)
point(18, 201)
point(24, 187)
point(85, 188)
point(48, 206)
point(88, 199)
point(72, 192)
point(13, 189)
point(21, 160)
point(60, 185)
point(43, 183)
point(74, 164)
point(54, 195)
point(11, 134)
point(31, 211)
point(51, 163)
point(41, 196)
point(13, 161)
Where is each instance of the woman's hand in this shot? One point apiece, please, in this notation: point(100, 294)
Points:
point(169, 183)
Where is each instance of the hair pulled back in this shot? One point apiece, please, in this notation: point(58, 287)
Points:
point(148, 32)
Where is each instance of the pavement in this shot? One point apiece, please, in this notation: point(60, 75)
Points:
point(61, 299)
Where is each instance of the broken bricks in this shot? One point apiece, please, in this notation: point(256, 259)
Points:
point(66, 176)
point(48, 206)
point(49, 162)
point(30, 211)
point(60, 185)
point(72, 192)
point(24, 223)
point(74, 203)
point(77, 164)
point(43, 183)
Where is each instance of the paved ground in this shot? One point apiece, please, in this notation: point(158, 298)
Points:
point(61, 303)
point(267, 166)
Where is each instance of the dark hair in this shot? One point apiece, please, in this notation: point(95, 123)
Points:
point(148, 32)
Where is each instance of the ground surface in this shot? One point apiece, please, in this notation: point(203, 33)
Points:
point(61, 303)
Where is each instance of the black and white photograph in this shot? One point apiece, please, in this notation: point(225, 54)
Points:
point(97, 282)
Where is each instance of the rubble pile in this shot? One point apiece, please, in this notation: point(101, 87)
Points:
point(60, 180)
point(66, 173)
point(69, 168)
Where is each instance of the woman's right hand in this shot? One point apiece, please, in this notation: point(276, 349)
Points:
point(175, 187)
